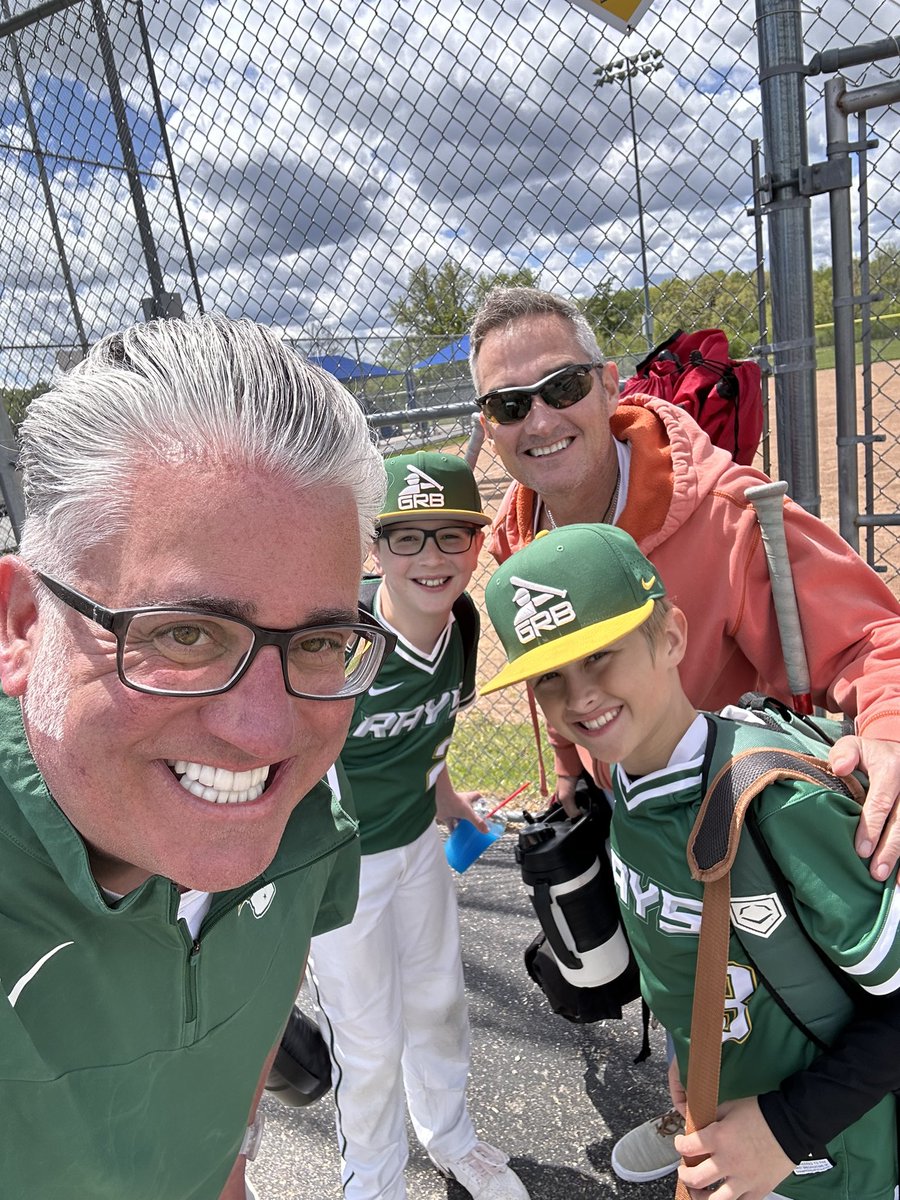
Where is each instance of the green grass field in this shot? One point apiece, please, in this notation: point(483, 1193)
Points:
point(886, 349)
point(495, 757)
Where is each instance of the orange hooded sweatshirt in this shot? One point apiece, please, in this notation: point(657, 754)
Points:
point(686, 510)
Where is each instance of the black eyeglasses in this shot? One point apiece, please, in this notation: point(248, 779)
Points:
point(559, 389)
point(450, 539)
point(190, 652)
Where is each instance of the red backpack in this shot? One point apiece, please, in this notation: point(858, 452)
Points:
point(723, 395)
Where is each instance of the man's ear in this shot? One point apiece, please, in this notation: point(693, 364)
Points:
point(486, 426)
point(18, 624)
point(609, 377)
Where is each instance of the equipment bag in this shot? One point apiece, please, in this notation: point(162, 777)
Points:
point(301, 1072)
point(723, 395)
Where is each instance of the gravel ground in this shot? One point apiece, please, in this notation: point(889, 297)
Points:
point(554, 1095)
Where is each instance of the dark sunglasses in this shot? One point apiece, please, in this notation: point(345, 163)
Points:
point(559, 389)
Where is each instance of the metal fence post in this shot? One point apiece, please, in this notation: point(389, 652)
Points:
point(781, 75)
point(843, 301)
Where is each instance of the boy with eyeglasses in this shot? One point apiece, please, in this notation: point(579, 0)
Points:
point(389, 986)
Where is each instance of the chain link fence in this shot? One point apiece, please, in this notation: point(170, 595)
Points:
point(357, 174)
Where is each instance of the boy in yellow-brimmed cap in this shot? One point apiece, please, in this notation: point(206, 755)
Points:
point(584, 619)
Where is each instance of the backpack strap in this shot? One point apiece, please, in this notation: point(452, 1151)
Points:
point(712, 848)
point(469, 624)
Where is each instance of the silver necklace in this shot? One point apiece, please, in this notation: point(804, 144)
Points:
point(610, 508)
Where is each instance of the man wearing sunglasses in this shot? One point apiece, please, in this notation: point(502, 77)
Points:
point(550, 408)
point(180, 649)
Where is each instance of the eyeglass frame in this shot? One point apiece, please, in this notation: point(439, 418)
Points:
point(117, 620)
point(385, 530)
point(530, 391)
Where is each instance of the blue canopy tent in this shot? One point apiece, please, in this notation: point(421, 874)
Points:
point(346, 369)
point(457, 351)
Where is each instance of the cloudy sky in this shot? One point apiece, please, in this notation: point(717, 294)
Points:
point(322, 151)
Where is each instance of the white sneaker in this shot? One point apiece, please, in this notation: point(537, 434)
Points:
point(648, 1151)
point(485, 1174)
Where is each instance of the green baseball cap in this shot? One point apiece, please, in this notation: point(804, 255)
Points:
point(430, 484)
point(568, 593)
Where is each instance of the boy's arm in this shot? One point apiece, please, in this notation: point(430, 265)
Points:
point(756, 1142)
point(737, 1147)
point(859, 1069)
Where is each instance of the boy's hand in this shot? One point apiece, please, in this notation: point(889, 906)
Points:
point(453, 806)
point(880, 817)
point(740, 1151)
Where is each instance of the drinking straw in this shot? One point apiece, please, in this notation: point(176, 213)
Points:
point(512, 795)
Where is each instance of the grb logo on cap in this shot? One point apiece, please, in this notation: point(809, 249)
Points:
point(421, 491)
point(541, 608)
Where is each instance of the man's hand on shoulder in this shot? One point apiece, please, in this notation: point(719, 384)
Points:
point(878, 832)
point(565, 794)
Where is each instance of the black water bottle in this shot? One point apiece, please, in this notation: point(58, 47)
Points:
point(568, 876)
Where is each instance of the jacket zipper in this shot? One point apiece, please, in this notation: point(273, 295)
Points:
point(192, 963)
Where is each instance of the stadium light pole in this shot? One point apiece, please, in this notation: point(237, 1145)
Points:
point(625, 69)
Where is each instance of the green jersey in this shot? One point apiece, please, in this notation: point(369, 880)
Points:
point(852, 919)
point(129, 1050)
point(400, 735)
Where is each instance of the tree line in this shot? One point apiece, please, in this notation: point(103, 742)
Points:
point(439, 303)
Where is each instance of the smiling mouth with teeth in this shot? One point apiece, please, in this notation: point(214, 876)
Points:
point(540, 451)
point(431, 583)
point(603, 719)
point(218, 785)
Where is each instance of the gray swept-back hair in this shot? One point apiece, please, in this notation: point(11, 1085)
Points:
point(207, 389)
point(504, 305)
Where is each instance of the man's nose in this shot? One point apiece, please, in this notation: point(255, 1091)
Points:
point(257, 715)
point(540, 414)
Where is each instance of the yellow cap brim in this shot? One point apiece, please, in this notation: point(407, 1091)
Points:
point(568, 648)
point(462, 514)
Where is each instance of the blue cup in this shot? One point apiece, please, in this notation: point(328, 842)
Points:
point(466, 843)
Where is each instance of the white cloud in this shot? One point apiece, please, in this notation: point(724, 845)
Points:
point(322, 151)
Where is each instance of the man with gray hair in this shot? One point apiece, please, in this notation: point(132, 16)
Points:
point(551, 409)
point(180, 646)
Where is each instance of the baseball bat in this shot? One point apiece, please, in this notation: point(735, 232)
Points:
point(768, 501)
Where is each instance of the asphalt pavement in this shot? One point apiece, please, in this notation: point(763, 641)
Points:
point(555, 1096)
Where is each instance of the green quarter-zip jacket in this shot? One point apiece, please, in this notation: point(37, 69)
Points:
point(130, 1051)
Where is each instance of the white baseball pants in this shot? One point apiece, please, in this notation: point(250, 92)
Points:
point(392, 1007)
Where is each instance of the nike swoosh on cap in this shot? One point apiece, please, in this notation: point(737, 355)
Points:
point(647, 584)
